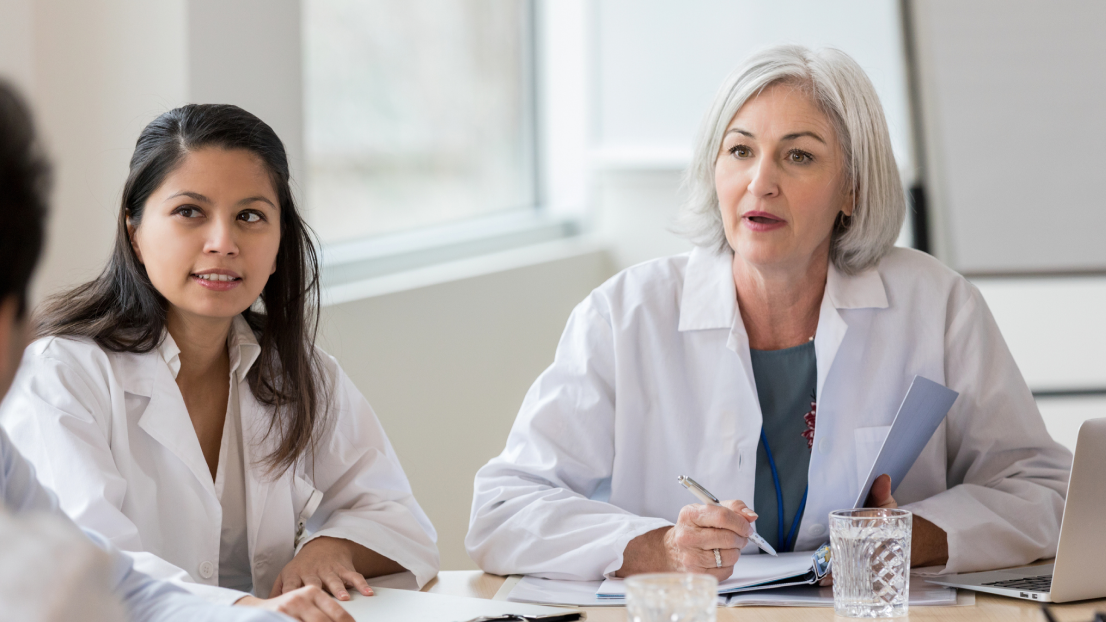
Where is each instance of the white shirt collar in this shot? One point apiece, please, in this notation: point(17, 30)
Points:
point(241, 344)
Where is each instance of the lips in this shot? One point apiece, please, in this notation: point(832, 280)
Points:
point(217, 280)
point(762, 221)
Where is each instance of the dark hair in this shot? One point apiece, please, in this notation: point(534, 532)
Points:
point(24, 183)
point(123, 312)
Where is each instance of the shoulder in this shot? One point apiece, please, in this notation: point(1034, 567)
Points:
point(921, 283)
point(73, 360)
point(651, 284)
point(78, 353)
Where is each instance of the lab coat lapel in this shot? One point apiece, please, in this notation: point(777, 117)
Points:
point(860, 291)
point(166, 418)
point(709, 301)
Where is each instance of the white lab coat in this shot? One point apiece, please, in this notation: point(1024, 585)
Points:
point(110, 434)
point(652, 379)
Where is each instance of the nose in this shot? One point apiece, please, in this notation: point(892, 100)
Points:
point(221, 239)
point(765, 182)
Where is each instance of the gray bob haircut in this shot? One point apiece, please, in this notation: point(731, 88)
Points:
point(841, 89)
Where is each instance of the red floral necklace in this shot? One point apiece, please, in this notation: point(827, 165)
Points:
point(810, 418)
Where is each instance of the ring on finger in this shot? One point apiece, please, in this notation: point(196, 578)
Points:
point(717, 559)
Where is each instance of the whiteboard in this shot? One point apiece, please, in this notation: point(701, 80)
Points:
point(1012, 95)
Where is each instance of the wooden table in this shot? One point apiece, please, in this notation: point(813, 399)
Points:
point(478, 584)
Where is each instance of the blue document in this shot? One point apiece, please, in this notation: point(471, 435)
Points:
point(922, 410)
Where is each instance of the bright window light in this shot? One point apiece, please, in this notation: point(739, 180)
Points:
point(417, 113)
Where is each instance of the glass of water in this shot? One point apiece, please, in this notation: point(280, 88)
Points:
point(671, 597)
point(871, 562)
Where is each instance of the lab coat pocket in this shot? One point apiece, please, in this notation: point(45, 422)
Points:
point(868, 443)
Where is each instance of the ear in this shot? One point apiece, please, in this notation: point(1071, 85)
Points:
point(131, 229)
point(850, 202)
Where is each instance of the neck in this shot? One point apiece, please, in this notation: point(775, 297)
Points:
point(779, 306)
point(202, 342)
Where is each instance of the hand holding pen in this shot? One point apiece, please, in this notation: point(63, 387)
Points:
point(709, 538)
point(706, 497)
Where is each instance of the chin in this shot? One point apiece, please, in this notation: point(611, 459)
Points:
point(221, 311)
point(761, 254)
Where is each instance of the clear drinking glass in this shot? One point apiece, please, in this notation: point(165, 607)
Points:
point(871, 562)
point(671, 597)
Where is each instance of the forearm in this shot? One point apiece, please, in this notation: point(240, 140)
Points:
point(929, 544)
point(646, 553)
point(370, 563)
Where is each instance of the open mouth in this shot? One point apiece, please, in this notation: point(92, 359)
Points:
point(218, 278)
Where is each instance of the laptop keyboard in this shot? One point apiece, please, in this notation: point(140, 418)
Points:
point(1042, 583)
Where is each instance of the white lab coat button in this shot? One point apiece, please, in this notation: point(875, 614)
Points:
point(207, 569)
point(824, 445)
point(817, 530)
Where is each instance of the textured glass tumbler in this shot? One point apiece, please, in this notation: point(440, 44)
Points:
point(871, 562)
point(671, 597)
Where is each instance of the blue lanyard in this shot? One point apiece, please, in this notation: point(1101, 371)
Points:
point(784, 544)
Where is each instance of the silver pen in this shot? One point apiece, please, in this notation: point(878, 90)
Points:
point(704, 495)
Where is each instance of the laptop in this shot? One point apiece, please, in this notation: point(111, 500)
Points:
point(1077, 572)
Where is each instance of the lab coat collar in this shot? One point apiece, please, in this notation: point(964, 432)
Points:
point(241, 343)
point(709, 299)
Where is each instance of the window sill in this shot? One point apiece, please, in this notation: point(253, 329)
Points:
point(389, 264)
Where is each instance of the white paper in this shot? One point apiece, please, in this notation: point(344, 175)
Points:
point(400, 605)
point(750, 570)
point(922, 410)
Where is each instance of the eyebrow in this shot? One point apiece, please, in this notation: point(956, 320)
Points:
point(792, 136)
point(196, 196)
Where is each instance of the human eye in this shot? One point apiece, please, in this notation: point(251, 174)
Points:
point(251, 216)
point(188, 211)
point(741, 151)
point(798, 156)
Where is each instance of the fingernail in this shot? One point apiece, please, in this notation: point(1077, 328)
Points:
point(748, 512)
point(369, 591)
point(343, 596)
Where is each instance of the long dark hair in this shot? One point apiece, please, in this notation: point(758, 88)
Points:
point(123, 312)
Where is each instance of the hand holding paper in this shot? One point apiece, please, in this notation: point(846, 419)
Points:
point(921, 412)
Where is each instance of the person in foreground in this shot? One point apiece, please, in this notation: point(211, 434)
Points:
point(177, 404)
point(768, 364)
point(49, 569)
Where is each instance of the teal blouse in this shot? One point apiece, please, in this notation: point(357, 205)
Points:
point(786, 381)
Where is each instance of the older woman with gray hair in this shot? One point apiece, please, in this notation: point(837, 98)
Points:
point(769, 363)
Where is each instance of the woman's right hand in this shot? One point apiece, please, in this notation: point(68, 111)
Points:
point(689, 545)
point(701, 529)
point(307, 604)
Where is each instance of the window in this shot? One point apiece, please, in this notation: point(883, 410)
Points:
point(417, 113)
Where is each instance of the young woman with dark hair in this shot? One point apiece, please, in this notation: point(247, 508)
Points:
point(178, 404)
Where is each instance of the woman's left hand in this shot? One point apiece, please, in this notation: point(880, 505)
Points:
point(326, 563)
point(929, 544)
